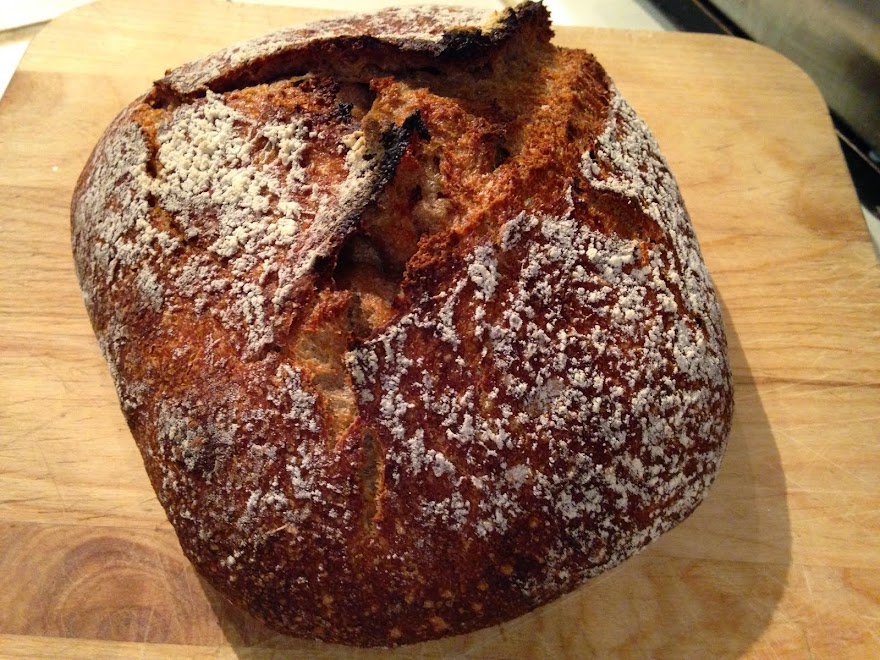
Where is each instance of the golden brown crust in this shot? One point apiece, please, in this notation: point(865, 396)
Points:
point(412, 342)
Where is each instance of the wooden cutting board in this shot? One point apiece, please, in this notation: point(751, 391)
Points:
point(783, 558)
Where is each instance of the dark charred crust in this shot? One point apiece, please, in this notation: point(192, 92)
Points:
point(471, 44)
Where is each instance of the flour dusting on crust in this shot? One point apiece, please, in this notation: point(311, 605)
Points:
point(581, 365)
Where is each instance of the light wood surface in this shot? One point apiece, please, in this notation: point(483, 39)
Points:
point(782, 559)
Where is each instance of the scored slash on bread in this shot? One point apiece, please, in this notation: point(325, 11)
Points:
point(407, 318)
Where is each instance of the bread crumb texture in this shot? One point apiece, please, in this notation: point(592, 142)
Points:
point(407, 318)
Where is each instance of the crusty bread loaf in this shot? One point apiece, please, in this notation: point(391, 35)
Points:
point(407, 318)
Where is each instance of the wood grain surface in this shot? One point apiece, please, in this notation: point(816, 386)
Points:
point(781, 560)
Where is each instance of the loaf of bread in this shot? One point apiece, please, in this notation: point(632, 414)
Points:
point(407, 319)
